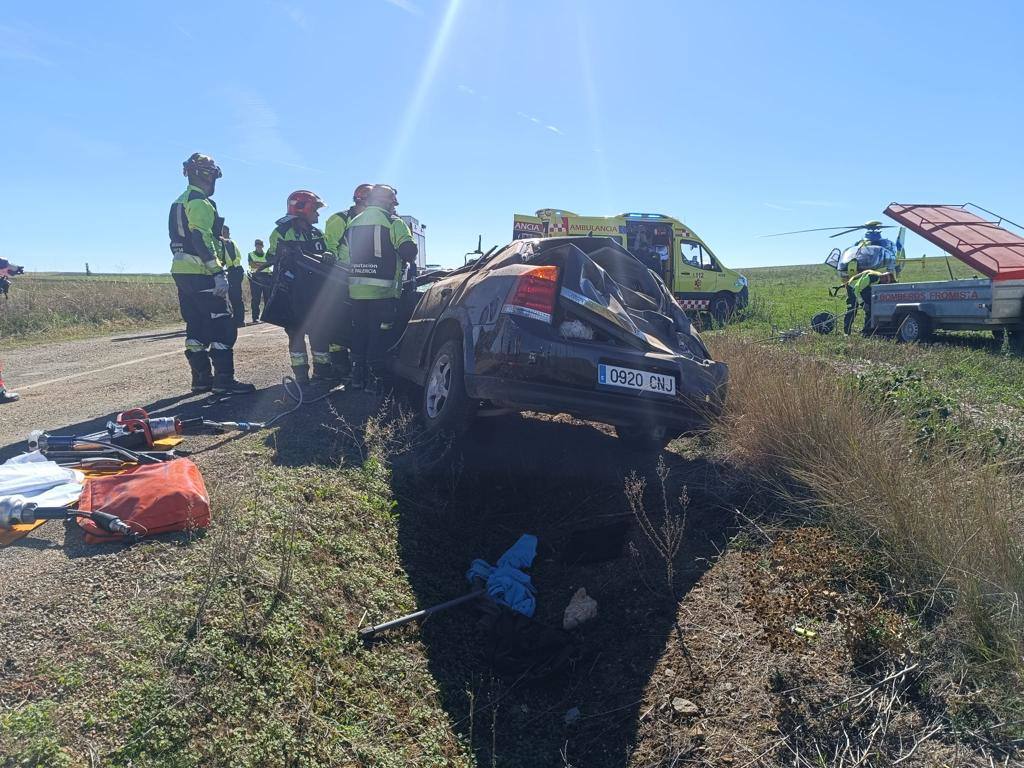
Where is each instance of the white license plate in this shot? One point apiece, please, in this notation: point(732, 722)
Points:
point(640, 381)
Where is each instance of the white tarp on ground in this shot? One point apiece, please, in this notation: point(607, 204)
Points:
point(40, 480)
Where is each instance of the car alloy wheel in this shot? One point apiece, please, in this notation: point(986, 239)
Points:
point(439, 384)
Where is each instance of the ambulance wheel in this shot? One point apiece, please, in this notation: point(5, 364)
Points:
point(914, 327)
point(721, 308)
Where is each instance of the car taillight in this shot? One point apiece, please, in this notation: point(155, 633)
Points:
point(534, 294)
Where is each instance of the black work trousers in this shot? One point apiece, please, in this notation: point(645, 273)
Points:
point(235, 277)
point(369, 338)
point(259, 288)
point(209, 325)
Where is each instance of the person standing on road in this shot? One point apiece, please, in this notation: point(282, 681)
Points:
point(233, 265)
point(210, 333)
point(297, 227)
point(334, 230)
point(376, 245)
point(259, 274)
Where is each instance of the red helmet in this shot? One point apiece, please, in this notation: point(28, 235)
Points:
point(362, 193)
point(304, 204)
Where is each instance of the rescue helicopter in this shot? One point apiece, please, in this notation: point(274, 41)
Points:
point(872, 251)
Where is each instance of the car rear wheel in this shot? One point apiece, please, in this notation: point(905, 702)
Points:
point(914, 326)
point(445, 407)
point(644, 438)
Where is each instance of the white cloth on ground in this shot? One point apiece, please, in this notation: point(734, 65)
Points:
point(40, 480)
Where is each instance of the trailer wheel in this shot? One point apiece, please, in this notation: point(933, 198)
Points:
point(914, 327)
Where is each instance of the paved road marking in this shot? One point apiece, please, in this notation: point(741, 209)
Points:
point(23, 387)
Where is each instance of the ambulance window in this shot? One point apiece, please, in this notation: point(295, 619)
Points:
point(706, 261)
point(697, 257)
point(691, 253)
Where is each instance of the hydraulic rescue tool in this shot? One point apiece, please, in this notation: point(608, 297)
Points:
point(17, 510)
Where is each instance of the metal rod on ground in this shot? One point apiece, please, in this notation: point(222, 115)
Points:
point(367, 634)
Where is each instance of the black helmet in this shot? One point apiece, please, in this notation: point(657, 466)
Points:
point(202, 166)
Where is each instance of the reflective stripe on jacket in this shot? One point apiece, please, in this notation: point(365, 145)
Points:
point(370, 247)
point(194, 229)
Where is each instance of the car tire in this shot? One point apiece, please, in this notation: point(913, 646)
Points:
point(444, 406)
point(644, 439)
point(721, 308)
point(913, 327)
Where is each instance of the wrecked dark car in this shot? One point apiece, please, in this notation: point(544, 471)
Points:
point(572, 325)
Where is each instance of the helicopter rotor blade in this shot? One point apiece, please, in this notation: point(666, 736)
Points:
point(854, 229)
point(818, 229)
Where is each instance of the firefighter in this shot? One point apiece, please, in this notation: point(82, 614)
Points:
point(6, 396)
point(376, 245)
point(210, 333)
point(860, 285)
point(233, 266)
point(298, 226)
point(334, 230)
point(258, 274)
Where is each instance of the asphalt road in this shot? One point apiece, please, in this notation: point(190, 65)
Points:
point(76, 385)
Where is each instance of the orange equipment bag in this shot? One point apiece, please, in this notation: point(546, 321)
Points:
point(151, 498)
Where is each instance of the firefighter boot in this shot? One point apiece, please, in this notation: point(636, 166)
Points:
point(224, 379)
point(324, 373)
point(358, 372)
point(342, 363)
point(202, 374)
point(6, 396)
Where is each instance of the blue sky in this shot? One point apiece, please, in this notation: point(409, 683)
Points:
point(741, 118)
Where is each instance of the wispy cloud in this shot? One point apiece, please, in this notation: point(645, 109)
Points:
point(466, 89)
point(776, 207)
point(295, 14)
point(818, 204)
point(537, 121)
point(22, 45)
point(185, 33)
point(406, 6)
point(259, 137)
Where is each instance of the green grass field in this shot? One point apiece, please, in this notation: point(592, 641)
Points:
point(49, 306)
point(968, 368)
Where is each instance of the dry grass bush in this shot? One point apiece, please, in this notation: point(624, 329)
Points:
point(949, 524)
point(41, 305)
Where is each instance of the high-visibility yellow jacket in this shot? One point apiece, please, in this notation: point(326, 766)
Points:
point(375, 246)
point(194, 228)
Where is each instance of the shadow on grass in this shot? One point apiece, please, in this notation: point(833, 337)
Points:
point(514, 475)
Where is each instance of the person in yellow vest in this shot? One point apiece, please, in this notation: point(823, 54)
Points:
point(376, 245)
point(298, 229)
point(334, 230)
point(860, 286)
point(236, 273)
point(194, 227)
point(259, 277)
